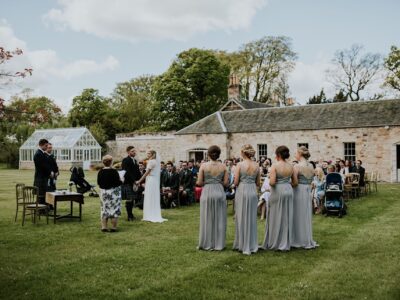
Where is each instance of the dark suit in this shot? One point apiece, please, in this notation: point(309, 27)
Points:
point(186, 182)
point(132, 174)
point(54, 169)
point(171, 181)
point(360, 171)
point(42, 174)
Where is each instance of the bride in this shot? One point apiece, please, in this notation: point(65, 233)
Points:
point(151, 205)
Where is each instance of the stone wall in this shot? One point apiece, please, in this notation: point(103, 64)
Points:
point(374, 146)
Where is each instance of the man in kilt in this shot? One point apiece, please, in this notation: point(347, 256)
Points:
point(131, 166)
point(42, 170)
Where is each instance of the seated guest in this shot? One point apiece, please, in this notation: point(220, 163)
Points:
point(360, 170)
point(186, 184)
point(324, 167)
point(193, 169)
point(170, 186)
point(110, 183)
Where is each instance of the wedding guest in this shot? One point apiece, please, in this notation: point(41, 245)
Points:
point(278, 230)
point(213, 177)
point(54, 168)
point(360, 170)
point(110, 183)
point(43, 170)
point(318, 186)
point(264, 198)
point(170, 186)
point(132, 173)
point(186, 185)
point(247, 177)
point(302, 206)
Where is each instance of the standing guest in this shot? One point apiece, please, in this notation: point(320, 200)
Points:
point(213, 176)
point(264, 198)
point(302, 206)
point(193, 168)
point(110, 183)
point(53, 167)
point(278, 231)
point(360, 170)
point(247, 176)
point(42, 170)
point(324, 167)
point(132, 174)
point(186, 185)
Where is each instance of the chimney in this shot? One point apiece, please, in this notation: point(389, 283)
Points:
point(234, 87)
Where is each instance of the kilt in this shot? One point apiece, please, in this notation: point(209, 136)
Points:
point(128, 193)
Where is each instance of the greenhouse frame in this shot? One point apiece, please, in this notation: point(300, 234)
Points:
point(71, 147)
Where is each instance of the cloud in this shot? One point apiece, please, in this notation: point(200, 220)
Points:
point(47, 66)
point(152, 20)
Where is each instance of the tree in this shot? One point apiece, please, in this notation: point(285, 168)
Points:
point(318, 99)
point(135, 102)
point(392, 65)
point(90, 108)
point(340, 96)
point(353, 71)
point(263, 65)
point(193, 87)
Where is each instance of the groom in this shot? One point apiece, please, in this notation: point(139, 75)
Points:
point(131, 166)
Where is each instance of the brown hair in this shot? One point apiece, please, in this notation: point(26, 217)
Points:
point(304, 152)
point(107, 160)
point(43, 142)
point(282, 152)
point(214, 152)
point(129, 148)
point(248, 151)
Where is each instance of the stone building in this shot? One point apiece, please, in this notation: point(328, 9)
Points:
point(366, 130)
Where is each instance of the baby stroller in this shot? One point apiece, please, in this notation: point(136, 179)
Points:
point(81, 185)
point(334, 203)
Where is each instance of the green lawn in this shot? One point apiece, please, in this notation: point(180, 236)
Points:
point(358, 258)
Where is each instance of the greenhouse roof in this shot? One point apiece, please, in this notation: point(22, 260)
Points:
point(59, 137)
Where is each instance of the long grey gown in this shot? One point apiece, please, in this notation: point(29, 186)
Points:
point(278, 230)
point(302, 214)
point(246, 200)
point(212, 213)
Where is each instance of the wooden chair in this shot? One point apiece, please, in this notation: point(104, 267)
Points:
point(31, 204)
point(354, 180)
point(374, 181)
point(19, 197)
point(367, 183)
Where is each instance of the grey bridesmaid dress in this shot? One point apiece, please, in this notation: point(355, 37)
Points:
point(302, 214)
point(212, 213)
point(246, 200)
point(278, 230)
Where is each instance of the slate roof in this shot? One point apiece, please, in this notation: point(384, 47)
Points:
point(305, 117)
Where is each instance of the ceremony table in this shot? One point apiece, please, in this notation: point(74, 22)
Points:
point(65, 196)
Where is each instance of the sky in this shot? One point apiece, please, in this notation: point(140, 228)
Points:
point(76, 44)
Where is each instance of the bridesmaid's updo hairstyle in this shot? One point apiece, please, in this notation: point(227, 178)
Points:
point(153, 153)
point(304, 152)
point(248, 151)
point(282, 152)
point(214, 152)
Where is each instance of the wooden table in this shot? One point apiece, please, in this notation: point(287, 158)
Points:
point(54, 197)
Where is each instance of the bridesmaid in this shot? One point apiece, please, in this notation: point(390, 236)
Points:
point(213, 176)
point(247, 176)
point(278, 231)
point(302, 203)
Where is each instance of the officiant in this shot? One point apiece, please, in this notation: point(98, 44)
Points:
point(129, 191)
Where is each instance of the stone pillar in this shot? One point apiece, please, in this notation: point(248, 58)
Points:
point(234, 87)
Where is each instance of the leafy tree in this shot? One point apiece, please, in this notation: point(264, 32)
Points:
point(392, 65)
point(135, 103)
point(353, 71)
point(340, 96)
point(193, 87)
point(263, 66)
point(90, 108)
point(318, 99)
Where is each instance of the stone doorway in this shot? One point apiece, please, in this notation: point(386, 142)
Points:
point(197, 154)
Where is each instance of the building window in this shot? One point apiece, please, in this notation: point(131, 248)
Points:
point(262, 150)
point(302, 144)
point(64, 154)
point(349, 151)
point(79, 155)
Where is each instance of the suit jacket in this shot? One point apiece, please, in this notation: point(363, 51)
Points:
point(171, 181)
point(360, 171)
point(53, 163)
point(42, 166)
point(186, 179)
point(132, 170)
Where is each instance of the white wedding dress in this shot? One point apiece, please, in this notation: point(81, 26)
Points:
point(151, 205)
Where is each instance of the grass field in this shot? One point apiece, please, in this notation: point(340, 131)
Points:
point(358, 258)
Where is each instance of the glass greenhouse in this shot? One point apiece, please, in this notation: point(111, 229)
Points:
point(70, 146)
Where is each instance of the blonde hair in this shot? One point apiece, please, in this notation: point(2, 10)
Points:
point(320, 173)
point(153, 153)
point(248, 151)
point(107, 160)
point(304, 152)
